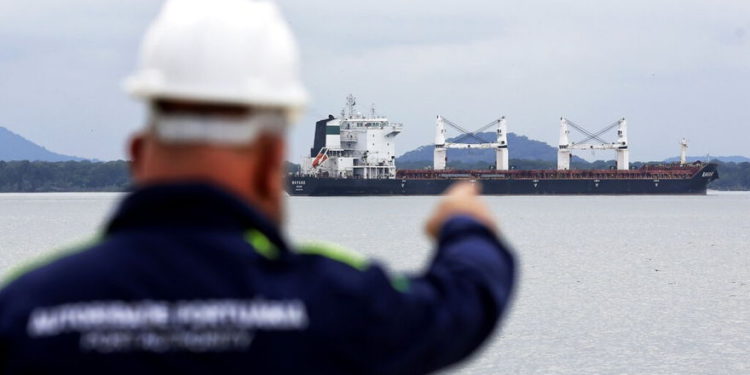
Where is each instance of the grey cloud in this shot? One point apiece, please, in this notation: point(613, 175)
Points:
point(662, 64)
point(674, 68)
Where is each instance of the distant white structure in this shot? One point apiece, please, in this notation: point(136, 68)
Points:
point(563, 151)
point(356, 146)
point(623, 152)
point(565, 147)
point(683, 151)
point(501, 152)
point(440, 157)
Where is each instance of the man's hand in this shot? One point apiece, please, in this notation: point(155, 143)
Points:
point(460, 199)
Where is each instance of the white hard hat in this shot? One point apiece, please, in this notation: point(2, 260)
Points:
point(220, 52)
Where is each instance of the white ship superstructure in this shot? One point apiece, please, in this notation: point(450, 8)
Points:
point(354, 146)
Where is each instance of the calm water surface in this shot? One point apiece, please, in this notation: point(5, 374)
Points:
point(614, 285)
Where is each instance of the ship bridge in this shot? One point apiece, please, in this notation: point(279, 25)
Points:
point(354, 145)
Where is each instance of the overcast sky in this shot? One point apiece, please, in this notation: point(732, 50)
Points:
point(673, 68)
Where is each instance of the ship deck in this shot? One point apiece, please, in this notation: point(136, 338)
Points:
point(662, 172)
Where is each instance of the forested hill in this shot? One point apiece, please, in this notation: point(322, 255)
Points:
point(16, 147)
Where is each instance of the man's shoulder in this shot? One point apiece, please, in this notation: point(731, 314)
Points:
point(69, 270)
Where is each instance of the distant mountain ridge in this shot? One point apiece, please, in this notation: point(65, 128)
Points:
point(521, 148)
point(15, 147)
point(725, 159)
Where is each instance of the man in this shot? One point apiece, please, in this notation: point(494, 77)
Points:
point(192, 274)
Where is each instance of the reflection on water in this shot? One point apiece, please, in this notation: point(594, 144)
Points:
point(628, 284)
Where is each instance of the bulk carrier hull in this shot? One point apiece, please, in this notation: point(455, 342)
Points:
point(677, 180)
point(355, 154)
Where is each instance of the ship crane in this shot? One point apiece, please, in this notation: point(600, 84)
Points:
point(442, 145)
point(565, 146)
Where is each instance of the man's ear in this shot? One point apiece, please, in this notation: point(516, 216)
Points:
point(269, 177)
point(136, 151)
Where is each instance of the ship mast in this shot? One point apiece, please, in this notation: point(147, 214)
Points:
point(351, 103)
point(683, 151)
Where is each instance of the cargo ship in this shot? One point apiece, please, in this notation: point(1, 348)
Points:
point(355, 154)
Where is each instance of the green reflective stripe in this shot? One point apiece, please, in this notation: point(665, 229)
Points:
point(335, 252)
point(262, 244)
point(43, 260)
point(401, 283)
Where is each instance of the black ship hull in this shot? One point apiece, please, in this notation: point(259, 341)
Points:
point(320, 186)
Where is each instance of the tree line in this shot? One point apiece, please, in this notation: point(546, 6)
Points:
point(87, 176)
point(40, 176)
point(732, 176)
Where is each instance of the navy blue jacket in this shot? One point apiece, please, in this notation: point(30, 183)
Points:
point(189, 279)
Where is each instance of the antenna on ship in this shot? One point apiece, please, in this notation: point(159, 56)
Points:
point(351, 102)
point(372, 111)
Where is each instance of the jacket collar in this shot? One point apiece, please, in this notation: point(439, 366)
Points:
point(190, 207)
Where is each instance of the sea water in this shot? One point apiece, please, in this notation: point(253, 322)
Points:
point(608, 284)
